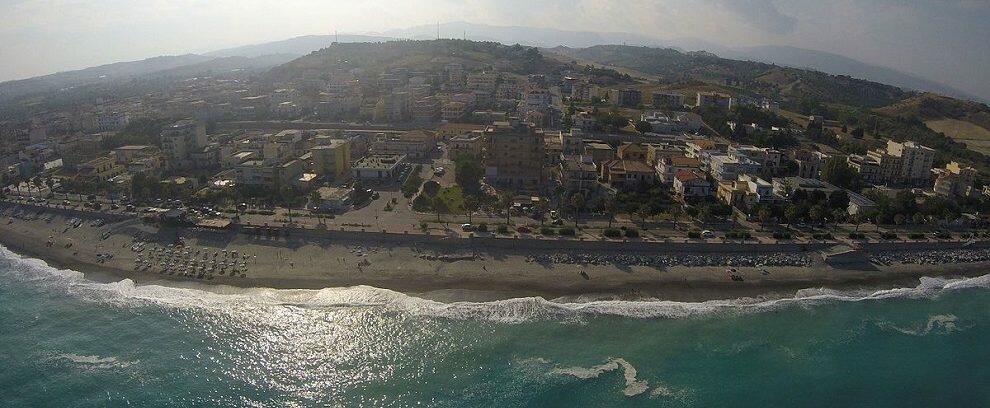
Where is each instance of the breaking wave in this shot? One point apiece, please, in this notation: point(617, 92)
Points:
point(126, 293)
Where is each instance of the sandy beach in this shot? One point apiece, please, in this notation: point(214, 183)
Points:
point(438, 273)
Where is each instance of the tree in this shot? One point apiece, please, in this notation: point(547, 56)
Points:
point(899, 219)
point(468, 174)
point(440, 206)
point(505, 201)
point(608, 207)
point(543, 207)
point(643, 126)
point(764, 215)
point(818, 214)
point(577, 202)
point(837, 172)
point(838, 199)
point(471, 204)
point(793, 214)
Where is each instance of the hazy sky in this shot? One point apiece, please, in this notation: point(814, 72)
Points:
point(947, 41)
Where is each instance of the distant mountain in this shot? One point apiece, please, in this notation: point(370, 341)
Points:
point(532, 36)
point(757, 78)
point(101, 74)
point(297, 46)
point(828, 63)
point(838, 65)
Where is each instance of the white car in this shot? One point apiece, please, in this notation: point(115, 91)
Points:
point(707, 234)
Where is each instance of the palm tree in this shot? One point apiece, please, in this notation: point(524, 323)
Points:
point(577, 203)
point(608, 207)
point(505, 201)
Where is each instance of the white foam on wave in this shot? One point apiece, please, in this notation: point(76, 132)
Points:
point(633, 386)
point(127, 293)
point(95, 361)
point(941, 323)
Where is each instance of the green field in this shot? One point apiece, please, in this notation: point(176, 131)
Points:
point(975, 137)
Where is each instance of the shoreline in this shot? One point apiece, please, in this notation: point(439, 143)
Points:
point(417, 269)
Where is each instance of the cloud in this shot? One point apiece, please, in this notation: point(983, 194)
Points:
point(760, 14)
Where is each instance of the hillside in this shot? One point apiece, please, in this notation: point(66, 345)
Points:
point(963, 121)
point(418, 55)
point(297, 46)
point(788, 84)
point(101, 74)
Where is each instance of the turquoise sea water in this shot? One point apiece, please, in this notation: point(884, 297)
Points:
point(66, 341)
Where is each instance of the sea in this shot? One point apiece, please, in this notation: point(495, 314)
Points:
point(67, 341)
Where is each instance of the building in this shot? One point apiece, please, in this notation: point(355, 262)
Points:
point(768, 159)
point(725, 167)
point(868, 168)
point(955, 181)
point(916, 160)
point(572, 143)
point(470, 144)
point(100, 169)
point(599, 151)
point(332, 199)
point(667, 100)
point(127, 154)
point(110, 121)
point(631, 151)
point(746, 191)
point(672, 122)
point(332, 160)
point(702, 149)
point(626, 98)
point(626, 173)
point(668, 167)
point(787, 186)
point(578, 173)
point(414, 144)
point(378, 167)
point(859, 205)
point(691, 184)
point(427, 110)
point(181, 140)
point(716, 99)
point(515, 156)
point(809, 163)
point(272, 176)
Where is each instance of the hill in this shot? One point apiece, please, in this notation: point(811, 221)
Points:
point(297, 46)
point(101, 74)
point(418, 55)
point(839, 65)
point(747, 77)
point(963, 121)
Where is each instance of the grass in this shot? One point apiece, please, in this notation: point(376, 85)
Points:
point(974, 136)
point(454, 198)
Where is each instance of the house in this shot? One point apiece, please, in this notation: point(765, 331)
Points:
point(668, 167)
point(955, 180)
point(632, 151)
point(378, 167)
point(672, 122)
point(725, 167)
point(599, 151)
point(859, 205)
point(578, 173)
point(746, 191)
point(332, 199)
point(627, 98)
point(691, 184)
point(626, 173)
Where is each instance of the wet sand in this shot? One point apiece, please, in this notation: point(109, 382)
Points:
point(414, 269)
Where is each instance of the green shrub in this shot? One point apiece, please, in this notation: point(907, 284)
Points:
point(568, 231)
point(482, 227)
point(503, 229)
point(888, 235)
point(857, 235)
point(822, 236)
point(611, 233)
point(916, 235)
point(632, 233)
point(782, 235)
point(694, 234)
point(547, 231)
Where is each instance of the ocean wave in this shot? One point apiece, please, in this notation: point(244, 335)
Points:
point(633, 386)
point(126, 293)
point(94, 361)
point(941, 323)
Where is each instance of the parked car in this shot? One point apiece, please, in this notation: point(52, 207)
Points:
point(467, 227)
point(707, 234)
